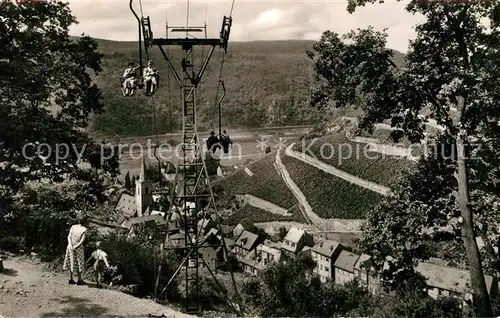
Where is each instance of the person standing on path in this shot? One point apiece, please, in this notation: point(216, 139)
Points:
point(100, 264)
point(74, 250)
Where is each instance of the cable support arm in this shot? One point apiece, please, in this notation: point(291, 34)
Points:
point(170, 65)
point(140, 37)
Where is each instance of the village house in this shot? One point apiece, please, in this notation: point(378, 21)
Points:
point(230, 243)
point(295, 240)
point(246, 243)
point(177, 240)
point(126, 207)
point(344, 267)
point(212, 255)
point(249, 265)
point(365, 273)
point(261, 257)
point(268, 253)
point(244, 225)
point(212, 237)
point(324, 253)
point(153, 221)
point(104, 228)
point(205, 225)
point(449, 281)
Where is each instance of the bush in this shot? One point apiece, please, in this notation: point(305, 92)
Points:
point(291, 289)
point(414, 305)
point(136, 263)
point(11, 244)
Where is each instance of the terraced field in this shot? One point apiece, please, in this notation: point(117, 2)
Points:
point(353, 157)
point(329, 196)
point(256, 215)
point(266, 183)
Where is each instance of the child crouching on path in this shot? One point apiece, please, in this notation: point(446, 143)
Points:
point(100, 264)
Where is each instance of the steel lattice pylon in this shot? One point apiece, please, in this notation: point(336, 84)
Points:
point(192, 190)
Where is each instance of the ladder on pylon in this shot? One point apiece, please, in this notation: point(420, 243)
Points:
point(193, 182)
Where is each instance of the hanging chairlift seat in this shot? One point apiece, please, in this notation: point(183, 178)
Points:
point(226, 142)
point(141, 85)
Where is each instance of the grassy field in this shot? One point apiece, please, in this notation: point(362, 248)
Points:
point(329, 196)
point(352, 158)
point(267, 84)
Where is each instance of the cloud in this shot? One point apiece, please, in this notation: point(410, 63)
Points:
point(252, 20)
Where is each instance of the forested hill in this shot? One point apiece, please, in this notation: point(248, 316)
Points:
point(267, 84)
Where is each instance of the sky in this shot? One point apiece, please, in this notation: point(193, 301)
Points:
point(252, 20)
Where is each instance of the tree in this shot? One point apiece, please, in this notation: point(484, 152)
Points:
point(282, 233)
point(134, 180)
point(46, 95)
point(128, 184)
point(451, 73)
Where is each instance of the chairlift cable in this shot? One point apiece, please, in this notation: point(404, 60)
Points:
point(220, 77)
point(217, 92)
point(187, 18)
point(232, 7)
point(140, 6)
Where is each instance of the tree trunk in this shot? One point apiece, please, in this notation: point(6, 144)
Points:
point(481, 298)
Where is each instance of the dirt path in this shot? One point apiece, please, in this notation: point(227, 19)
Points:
point(325, 225)
point(263, 204)
point(27, 290)
point(305, 208)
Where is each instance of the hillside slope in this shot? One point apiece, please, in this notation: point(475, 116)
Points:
point(28, 290)
point(340, 181)
point(267, 84)
point(355, 158)
point(265, 183)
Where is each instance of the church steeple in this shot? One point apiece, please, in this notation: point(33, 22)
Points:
point(143, 195)
point(143, 170)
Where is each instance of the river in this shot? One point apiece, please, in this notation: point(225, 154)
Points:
point(247, 145)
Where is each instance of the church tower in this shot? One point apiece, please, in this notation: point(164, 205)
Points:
point(143, 191)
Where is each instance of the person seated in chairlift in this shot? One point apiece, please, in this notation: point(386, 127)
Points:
point(212, 142)
point(128, 79)
point(225, 141)
point(150, 79)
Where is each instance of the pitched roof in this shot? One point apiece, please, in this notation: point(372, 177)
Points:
point(361, 263)
point(204, 224)
point(294, 235)
point(226, 229)
point(326, 247)
point(247, 240)
point(229, 242)
point(145, 218)
point(271, 244)
point(270, 250)
point(154, 212)
point(346, 261)
point(126, 205)
point(177, 240)
point(449, 278)
point(249, 261)
point(247, 225)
